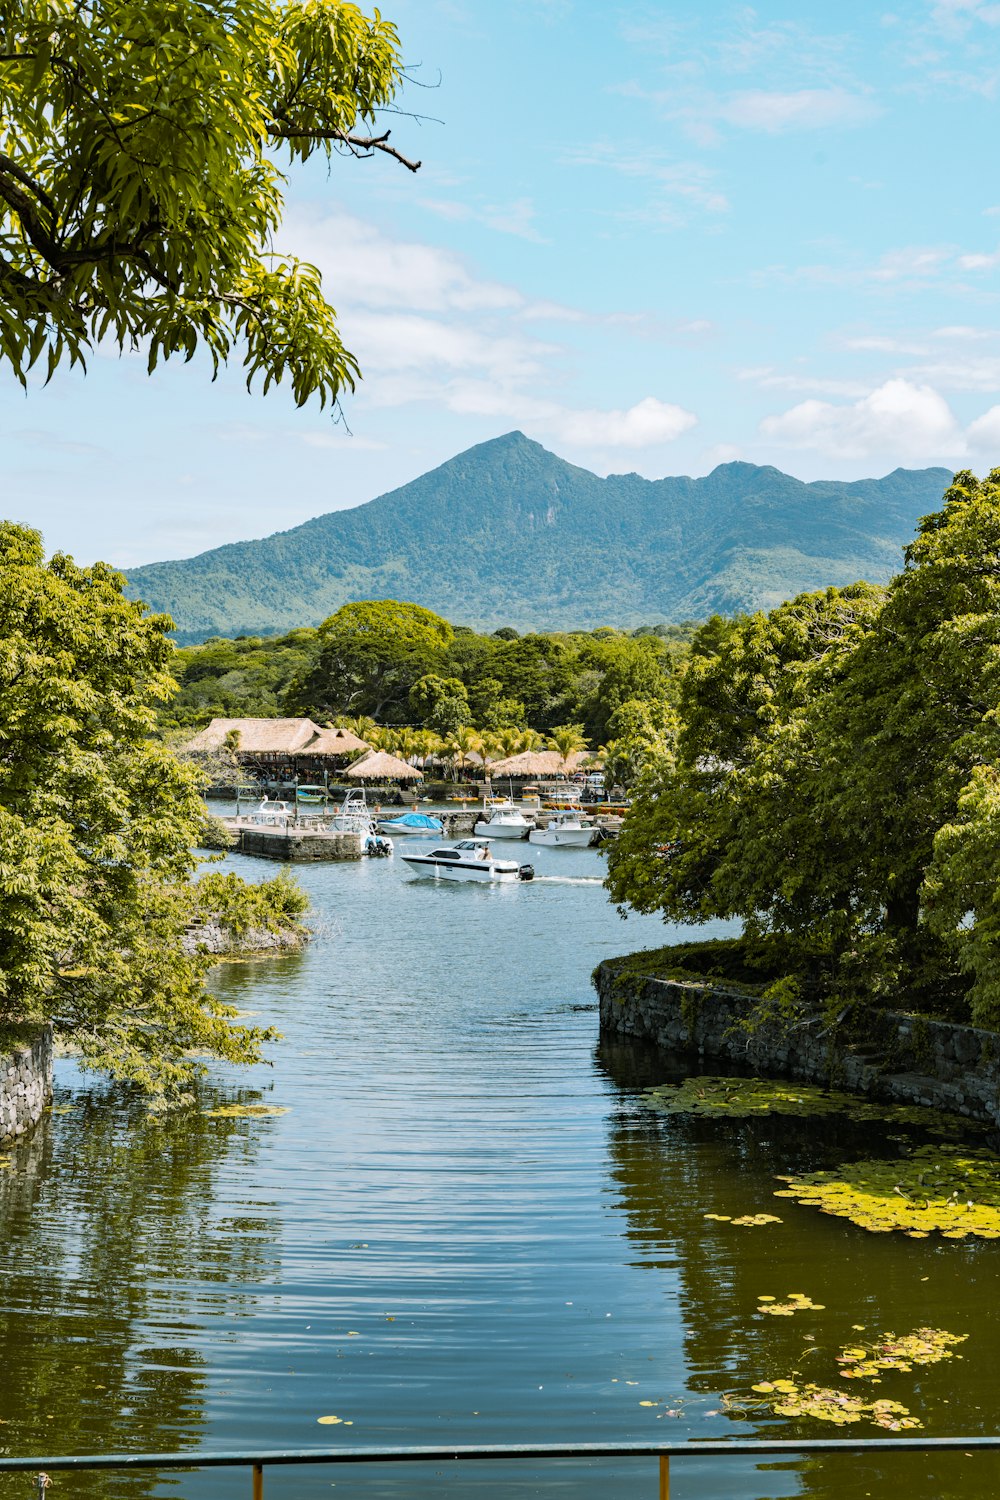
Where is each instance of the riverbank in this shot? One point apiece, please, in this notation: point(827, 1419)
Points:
point(902, 1058)
point(25, 1079)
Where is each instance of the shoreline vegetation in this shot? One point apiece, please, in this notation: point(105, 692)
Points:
point(827, 774)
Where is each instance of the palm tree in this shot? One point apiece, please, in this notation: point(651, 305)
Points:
point(567, 739)
point(362, 726)
point(528, 739)
point(461, 744)
point(509, 741)
point(407, 743)
point(491, 747)
point(427, 745)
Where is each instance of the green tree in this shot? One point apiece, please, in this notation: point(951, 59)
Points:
point(460, 745)
point(626, 669)
point(140, 190)
point(567, 740)
point(744, 844)
point(371, 654)
point(837, 777)
point(643, 734)
point(97, 823)
point(441, 703)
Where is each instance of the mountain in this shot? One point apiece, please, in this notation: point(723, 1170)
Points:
point(508, 534)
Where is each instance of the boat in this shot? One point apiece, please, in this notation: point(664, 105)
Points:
point(503, 819)
point(411, 823)
point(561, 796)
point(469, 859)
point(311, 794)
point(270, 814)
point(565, 830)
point(353, 816)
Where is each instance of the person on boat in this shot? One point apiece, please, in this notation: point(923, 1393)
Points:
point(484, 851)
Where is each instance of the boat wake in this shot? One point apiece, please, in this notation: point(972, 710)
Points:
point(568, 880)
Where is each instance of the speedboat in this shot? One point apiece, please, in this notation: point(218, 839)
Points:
point(503, 820)
point(469, 859)
point(565, 830)
point(411, 822)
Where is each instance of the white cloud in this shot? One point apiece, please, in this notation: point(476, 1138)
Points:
point(429, 331)
point(644, 425)
point(675, 186)
point(984, 432)
point(798, 109)
point(362, 267)
point(649, 421)
point(911, 421)
point(979, 262)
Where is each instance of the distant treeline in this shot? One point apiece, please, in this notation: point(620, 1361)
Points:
point(401, 664)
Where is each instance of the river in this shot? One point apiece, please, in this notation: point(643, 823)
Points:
point(466, 1228)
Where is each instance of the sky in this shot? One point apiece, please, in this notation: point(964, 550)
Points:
point(652, 237)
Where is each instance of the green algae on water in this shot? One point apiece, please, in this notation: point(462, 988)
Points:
point(244, 1111)
point(950, 1190)
point(750, 1098)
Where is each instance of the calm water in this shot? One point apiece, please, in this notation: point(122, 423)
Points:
point(465, 1229)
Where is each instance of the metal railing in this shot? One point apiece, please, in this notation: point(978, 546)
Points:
point(664, 1453)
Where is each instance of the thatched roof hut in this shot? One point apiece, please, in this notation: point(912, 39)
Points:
point(337, 742)
point(535, 763)
point(380, 766)
point(277, 737)
point(258, 736)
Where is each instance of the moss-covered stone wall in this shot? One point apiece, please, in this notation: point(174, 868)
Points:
point(903, 1058)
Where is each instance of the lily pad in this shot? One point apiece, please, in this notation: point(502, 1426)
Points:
point(797, 1302)
point(950, 1189)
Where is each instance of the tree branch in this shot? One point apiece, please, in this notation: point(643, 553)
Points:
point(366, 144)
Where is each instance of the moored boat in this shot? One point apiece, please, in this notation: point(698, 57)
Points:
point(565, 830)
point(411, 823)
point(503, 820)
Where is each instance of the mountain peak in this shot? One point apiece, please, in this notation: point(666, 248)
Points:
point(508, 533)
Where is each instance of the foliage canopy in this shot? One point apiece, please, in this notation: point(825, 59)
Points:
point(97, 824)
point(140, 191)
point(837, 779)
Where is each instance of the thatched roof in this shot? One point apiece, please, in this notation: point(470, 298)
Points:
point(258, 736)
point(278, 737)
point(380, 766)
point(534, 763)
point(337, 742)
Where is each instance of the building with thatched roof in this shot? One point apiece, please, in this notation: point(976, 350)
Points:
point(536, 763)
point(337, 742)
point(378, 765)
point(276, 739)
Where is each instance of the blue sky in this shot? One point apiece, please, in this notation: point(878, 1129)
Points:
point(653, 237)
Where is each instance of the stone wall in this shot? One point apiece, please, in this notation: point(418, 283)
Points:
point(25, 1086)
point(903, 1058)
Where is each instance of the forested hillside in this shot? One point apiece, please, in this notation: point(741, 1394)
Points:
point(509, 534)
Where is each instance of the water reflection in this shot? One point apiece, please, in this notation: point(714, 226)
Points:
point(104, 1214)
point(672, 1171)
point(466, 1229)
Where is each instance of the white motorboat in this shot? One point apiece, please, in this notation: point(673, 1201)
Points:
point(469, 859)
point(353, 816)
point(503, 820)
point(565, 830)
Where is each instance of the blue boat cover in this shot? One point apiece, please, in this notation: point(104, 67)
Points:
point(417, 820)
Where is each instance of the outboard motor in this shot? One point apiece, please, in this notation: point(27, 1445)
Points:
point(377, 846)
point(526, 872)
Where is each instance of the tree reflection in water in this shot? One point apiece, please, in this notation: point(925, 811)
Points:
point(672, 1171)
point(111, 1243)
